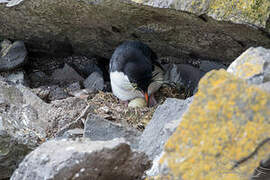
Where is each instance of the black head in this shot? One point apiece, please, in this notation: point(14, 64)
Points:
point(140, 75)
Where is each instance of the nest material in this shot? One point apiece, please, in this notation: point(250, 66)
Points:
point(110, 108)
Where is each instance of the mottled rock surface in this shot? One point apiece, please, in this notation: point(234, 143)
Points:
point(246, 12)
point(99, 129)
point(162, 125)
point(253, 65)
point(225, 123)
point(84, 159)
point(22, 124)
point(94, 82)
point(93, 27)
point(12, 55)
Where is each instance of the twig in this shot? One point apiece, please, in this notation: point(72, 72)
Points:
point(237, 163)
point(76, 122)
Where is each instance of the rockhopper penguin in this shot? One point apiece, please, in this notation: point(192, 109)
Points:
point(135, 72)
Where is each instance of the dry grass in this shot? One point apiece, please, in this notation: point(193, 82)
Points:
point(109, 107)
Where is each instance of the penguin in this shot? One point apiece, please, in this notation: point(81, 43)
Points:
point(135, 72)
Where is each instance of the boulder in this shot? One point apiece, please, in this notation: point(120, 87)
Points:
point(11, 153)
point(253, 65)
point(223, 133)
point(83, 159)
point(254, 13)
point(12, 55)
point(163, 124)
point(99, 129)
point(23, 124)
point(79, 27)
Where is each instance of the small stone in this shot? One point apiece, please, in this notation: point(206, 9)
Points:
point(94, 82)
point(66, 74)
point(137, 102)
point(12, 55)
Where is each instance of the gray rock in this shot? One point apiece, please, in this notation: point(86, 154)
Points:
point(253, 65)
point(207, 66)
point(83, 159)
point(11, 3)
point(73, 133)
point(184, 75)
point(38, 79)
point(94, 82)
point(99, 129)
point(265, 86)
point(85, 66)
point(262, 172)
point(168, 32)
point(23, 121)
point(12, 55)
point(66, 74)
point(11, 154)
point(17, 77)
point(71, 88)
point(57, 93)
point(164, 122)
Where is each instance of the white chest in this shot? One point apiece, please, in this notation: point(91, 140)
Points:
point(122, 87)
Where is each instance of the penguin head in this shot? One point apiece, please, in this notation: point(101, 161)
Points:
point(140, 76)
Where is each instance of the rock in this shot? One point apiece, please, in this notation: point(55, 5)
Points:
point(66, 74)
point(83, 159)
point(17, 77)
point(11, 3)
point(12, 55)
point(23, 124)
point(207, 66)
point(38, 79)
point(164, 122)
point(94, 82)
point(265, 86)
point(11, 153)
point(262, 172)
point(253, 65)
point(85, 66)
point(83, 93)
point(57, 93)
point(137, 102)
point(226, 122)
point(73, 133)
point(99, 129)
point(71, 88)
point(184, 75)
point(168, 32)
point(244, 12)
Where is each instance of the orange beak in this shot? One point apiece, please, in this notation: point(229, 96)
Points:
point(146, 98)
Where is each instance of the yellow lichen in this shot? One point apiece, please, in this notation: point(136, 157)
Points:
point(225, 122)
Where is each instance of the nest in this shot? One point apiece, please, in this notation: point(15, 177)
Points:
point(110, 108)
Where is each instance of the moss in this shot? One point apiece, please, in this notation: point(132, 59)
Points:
point(226, 121)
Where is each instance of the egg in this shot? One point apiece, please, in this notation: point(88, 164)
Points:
point(137, 102)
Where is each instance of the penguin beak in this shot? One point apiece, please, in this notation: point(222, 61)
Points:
point(146, 98)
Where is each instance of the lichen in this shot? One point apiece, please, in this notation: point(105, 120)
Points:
point(226, 121)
